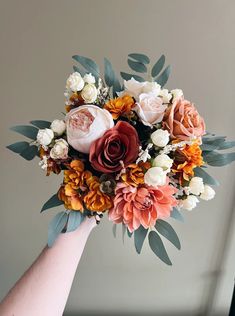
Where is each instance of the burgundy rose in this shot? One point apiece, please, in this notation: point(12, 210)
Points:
point(118, 146)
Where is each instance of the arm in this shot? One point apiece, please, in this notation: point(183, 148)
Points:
point(45, 286)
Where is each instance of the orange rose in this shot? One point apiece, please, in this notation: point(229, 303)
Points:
point(183, 121)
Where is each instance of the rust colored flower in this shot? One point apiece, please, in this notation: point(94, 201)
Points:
point(120, 106)
point(75, 101)
point(71, 198)
point(134, 174)
point(186, 159)
point(97, 201)
point(48, 163)
point(75, 174)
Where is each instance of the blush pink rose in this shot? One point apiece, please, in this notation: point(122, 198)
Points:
point(85, 124)
point(183, 121)
point(143, 205)
point(150, 109)
point(118, 147)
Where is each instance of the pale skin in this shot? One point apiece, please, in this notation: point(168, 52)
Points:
point(45, 286)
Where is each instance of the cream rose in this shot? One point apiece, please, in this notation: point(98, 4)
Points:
point(151, 87)
point(189, 203)
point(75, 82)
point(177, 93)
point(155, 176)
point(150, 109)
point(196, 185)
point(60, 149)
point(208, 193)
point(86, 124)
point(89, 78)
point(160, 137)
point(58, 127)
point(89, 93)
point(166, 96)
point(45, 136)
point(163, 161)
point(133, 88)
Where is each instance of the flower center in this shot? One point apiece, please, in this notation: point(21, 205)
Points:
point(82, 120)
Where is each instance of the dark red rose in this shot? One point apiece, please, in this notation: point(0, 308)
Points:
point(118, 146)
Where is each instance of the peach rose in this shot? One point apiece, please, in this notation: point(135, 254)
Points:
point(183, 121)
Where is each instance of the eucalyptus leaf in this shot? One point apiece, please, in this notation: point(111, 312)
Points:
point(79, 70)
point(158, 247)
point(41, 123)
point(158, 66)
point(75, 218)
point(227, 145)
point(109, 75)
point(139, 237)
point(136, 66)
point(56, 226)
point(88, 64)
point(114, 229)
point(30, 152)
point(142, 58)
point(52, 202)
point(127, 76)
point(129, 234)
point(18, 147)
point(163, 77)
point(28, 131)
point(166, 230)
point(213, 139)
point(216, 159)
point(175, 213)
point(207, 179)
point(116, 87)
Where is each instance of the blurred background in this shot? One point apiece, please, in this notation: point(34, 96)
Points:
point(38, 39)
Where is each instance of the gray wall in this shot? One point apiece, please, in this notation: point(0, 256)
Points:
point(38, 39)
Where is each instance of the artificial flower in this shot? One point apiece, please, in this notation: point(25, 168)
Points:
point(196, 185)
point(98, 201)
point(86, 124)
point(155, 176)
point(183, 121)
point(45, 136)
point(142, 205)
point(134, 173)
point(75, 82)
point(160, 137)
point(89, 93)
point(177, 93)
point(58, 127)
point(166, 96)
point(89, 78)
point(120, 106)
point(71, 198)
point(118, 147)
point(208, 193)
point(60, 149)
point(189, 203)
point(133, 88)
point(163, 161)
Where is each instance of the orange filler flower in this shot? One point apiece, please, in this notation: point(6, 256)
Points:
point(120, 106)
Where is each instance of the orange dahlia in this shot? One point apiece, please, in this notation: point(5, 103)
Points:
point(71, 198)
point(186, 159)
point(134, 174)
point(120, 106)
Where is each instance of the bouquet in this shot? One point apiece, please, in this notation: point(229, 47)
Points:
point(134, 150)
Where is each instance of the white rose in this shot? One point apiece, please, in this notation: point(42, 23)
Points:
point(89, 93)
point(160, 137)
point(89, 78)
point(75, 82)
point(45, 136)
point(189, 203)
point(151, 87)
point(155, 176)
point(58, 127)
point(132, 88)
point(177, 93)
point(163, 161)
point(150, 109)
point(86, 124)
point(196, 185)
point(208, 193)
point(60, 149)
point(166, 96)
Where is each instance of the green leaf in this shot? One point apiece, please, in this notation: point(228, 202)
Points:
point(199, 172)
point(163, 77)
point(18, 147)
point(41, 123)
point(79, 70)
point(215, 159)
point(109, 74)
point(166, 230)
point(175, 213)
point(158, 248)
point(56, 226)
point(127, 76)
point(227, 145)
point(140, 58)
point(123, 232)
point(74, 220)
point(136, 66)
point(114, 230)
point(157, 68)
point(30, 152)
point(139, 237)
point(52, 202)
point(129, 234)
point(116, 87)
point(28, 131)
point(88, 64)
point(213, 139)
